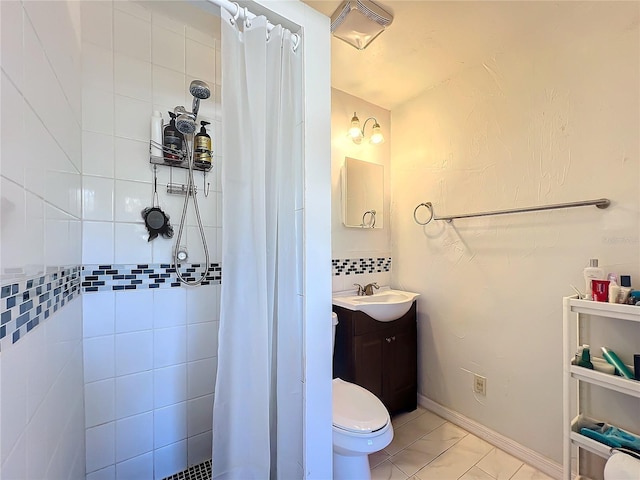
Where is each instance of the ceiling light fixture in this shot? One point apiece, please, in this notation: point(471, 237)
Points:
point(359, 22)
point(357, 134)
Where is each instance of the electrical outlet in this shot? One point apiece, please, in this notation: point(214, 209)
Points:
point(479, 384)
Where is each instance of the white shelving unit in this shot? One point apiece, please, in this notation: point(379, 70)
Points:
point(574, 309)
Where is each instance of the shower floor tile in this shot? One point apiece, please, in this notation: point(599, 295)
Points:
point(196, 472)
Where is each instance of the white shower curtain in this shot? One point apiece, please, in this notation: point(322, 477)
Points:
point(257, 418)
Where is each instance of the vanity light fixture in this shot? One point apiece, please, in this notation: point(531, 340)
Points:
point(357, 134)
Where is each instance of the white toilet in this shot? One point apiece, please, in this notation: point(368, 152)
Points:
point(361, 425)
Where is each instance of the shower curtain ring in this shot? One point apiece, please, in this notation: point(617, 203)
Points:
point(247, 22)
point(233, 20)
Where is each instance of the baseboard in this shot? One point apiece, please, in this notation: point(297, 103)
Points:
point(549, 467)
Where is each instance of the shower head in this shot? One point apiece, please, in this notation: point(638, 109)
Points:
point(186, 124)
point(200, 89)
point(185, 121)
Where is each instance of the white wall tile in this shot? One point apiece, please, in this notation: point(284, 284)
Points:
point(97, 154)
point(133, 311)
point(13, 410)
point(132, 118)
point(170, 424)
point(97, 198)
point(101, 441)
point(99, 360)
point(170, 385)
point(159, 20)
point(135, 9)
point(16, 462)
point(134, 352)
point(132, 160)
point(130, 199)
point(163, 247)
point(201, 377)
point(206, 37)
point(169, 346)
point(97, 244)
point(199, 415)
point(195, 246)
point(99, 402)
point(136, 468)
point(202, 340)
point(97, 23)
point(132, 35)
point(134, 436)
point(97, 66)
point(97, 110)
point(108, 473)
point(131, 245)
point(199, 448)
point(98, 313)
point(38, 442)
point(134, 394)
point(132, 77)
point(12, 126)
point(11, 14)
point(200, 61)
point(202, 304)
point(168, 48)
point(169, 307)
point(169, 89)
point(13, 222)
point(170, 459)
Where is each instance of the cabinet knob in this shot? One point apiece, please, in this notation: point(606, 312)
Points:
point(393, 338)
point(388, 339)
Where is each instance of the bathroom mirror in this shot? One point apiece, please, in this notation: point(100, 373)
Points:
point(362, 194)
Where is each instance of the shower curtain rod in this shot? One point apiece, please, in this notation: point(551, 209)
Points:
point(600, 203)
point(239, 13)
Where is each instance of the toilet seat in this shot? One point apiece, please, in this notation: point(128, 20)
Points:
point(357, 410)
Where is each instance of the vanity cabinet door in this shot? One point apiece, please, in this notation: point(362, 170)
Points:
point(379, 356)
point(369, 362)
point(400, 369)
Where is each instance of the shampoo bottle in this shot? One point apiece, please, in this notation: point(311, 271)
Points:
point(592, 272)
point(172, 141)
point(202, 146)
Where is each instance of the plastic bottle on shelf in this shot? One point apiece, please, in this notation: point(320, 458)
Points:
point(614, 288)
point(156, 134)
point(592, 272)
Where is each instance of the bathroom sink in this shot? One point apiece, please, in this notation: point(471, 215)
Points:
point(385, 305)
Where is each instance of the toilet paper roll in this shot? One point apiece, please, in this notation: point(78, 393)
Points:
point(621, 466)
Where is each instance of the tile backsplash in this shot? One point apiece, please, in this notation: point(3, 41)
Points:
point(27, 302)
point(355, 266)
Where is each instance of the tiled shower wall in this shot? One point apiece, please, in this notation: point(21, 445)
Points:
point(149, 354)
point(41, 387)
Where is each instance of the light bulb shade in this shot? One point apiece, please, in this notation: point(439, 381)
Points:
point(354, 131)
point(376, 135)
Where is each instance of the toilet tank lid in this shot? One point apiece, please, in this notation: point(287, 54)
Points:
point(356, 409)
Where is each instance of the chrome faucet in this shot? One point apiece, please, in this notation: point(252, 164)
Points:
point(360, 289)
point(368, 289)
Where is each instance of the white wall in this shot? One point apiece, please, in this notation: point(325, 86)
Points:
point(150, 355)
point(540, 126)
point(41, 372)
point(356, 243)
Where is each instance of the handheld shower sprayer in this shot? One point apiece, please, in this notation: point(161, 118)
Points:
point(186, 124)
point(186, 121)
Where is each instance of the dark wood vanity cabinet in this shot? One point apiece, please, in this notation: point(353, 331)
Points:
point(379, 356)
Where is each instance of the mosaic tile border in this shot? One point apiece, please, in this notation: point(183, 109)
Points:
point(196, 472)
point(355, 266)
point(100, 278)
point(27, 302)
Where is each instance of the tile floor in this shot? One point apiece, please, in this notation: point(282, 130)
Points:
point(427, 447)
